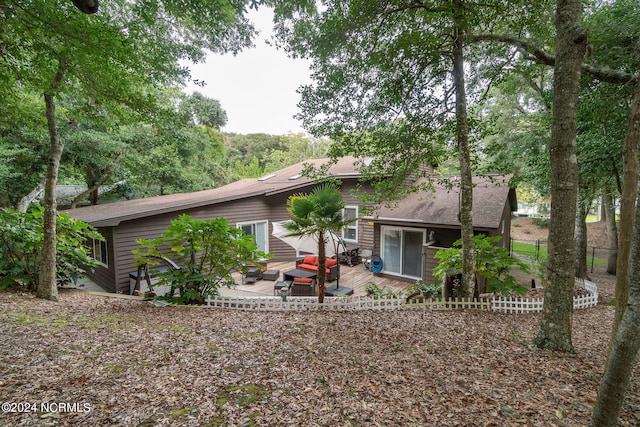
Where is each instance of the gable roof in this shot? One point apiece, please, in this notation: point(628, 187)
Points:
point(441, 207)
point(284, 180)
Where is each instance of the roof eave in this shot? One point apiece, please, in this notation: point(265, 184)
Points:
point(116, 221)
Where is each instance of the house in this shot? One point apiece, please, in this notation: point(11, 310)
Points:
point(408, 235)
point(254, 204)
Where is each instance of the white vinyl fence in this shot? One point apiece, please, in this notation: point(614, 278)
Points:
point(306, 303)
point(500, 304)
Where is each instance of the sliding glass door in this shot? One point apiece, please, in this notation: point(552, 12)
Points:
point(402, 251)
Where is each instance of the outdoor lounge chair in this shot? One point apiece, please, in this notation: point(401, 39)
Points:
point(303, 287)
point(310, 263)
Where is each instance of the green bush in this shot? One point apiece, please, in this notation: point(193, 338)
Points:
point(540, 222)
point(376, 291)
point(21, 241)
point(492, 262)
point(208, 251)
point(420, 288)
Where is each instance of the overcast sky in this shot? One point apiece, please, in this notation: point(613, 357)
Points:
point(257, 87)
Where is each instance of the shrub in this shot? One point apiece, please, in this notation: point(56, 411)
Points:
point(208, 251)
point(540, 222)
point(492, 262)
point(420, 288)
point(376, 291)
point(21, 241)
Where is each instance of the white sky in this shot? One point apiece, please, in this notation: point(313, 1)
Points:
point(257, 87)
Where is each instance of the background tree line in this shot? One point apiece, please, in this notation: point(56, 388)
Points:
point(186, 153)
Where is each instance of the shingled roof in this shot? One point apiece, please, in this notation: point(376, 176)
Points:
point(441, 207)
point(284, 180)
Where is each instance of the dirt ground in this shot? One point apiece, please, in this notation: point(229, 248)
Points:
point(93, 360)
point(524, 229)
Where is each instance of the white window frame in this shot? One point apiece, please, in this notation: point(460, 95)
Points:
point(266, 231)
point(351, 226)
point(100, 252)
point(383, 228)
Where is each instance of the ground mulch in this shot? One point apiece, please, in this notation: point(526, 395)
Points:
point(524, 229)
point(107, 361)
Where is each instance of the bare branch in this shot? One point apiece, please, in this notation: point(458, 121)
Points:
point(601, 73)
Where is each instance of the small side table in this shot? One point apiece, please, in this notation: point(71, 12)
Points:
point(279, 285)
point(335, 291)
point(271, 274)
point(254, 271)
point(249, 280)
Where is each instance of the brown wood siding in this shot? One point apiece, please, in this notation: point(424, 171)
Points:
point(251, 209)
point(104, 276)
point(365, 234)
point(278, 212)
point(351, 192)
point(429, 262)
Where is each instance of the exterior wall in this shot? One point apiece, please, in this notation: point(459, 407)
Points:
point(104, 276)
point(505, 227)
point(365, 230)
point(366, 233)
point(429, 262)
point(278, 212)
point(124, 236)
point(444, 238)
point(272, 209)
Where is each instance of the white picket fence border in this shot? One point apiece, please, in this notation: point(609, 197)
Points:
point(499, 304)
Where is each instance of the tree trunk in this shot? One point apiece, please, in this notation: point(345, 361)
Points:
point(26, 201)
point(322, 267)
point(555, 326)
point(92, 191)
point(580, 245)
point(627, 207)
point(462, 139)
point(626, 344)
point(612, 230)
point(47, 287)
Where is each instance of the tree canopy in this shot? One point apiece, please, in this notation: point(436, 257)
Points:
point(117, 60)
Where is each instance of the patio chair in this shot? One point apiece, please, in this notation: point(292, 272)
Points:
point(303, 287)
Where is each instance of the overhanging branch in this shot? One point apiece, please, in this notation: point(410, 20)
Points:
point(601, 73)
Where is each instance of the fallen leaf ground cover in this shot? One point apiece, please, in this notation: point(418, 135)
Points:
point(119, 362)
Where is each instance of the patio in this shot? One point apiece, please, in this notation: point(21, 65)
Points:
point(356, 277)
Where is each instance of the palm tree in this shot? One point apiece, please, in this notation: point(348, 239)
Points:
point(317, 214)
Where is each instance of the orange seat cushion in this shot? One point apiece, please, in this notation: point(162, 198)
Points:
point(302, 280)
point(310, 259)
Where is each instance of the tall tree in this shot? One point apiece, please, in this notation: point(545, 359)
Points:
point(117, 57)
point(204, 111)
point(626, 342)
point(615, 38)
point(465, 215)
point(390, 84)
point(571, 44)
point(23, 141)
point(612, 230)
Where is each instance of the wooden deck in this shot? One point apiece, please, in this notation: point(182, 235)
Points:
point(356, 277)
